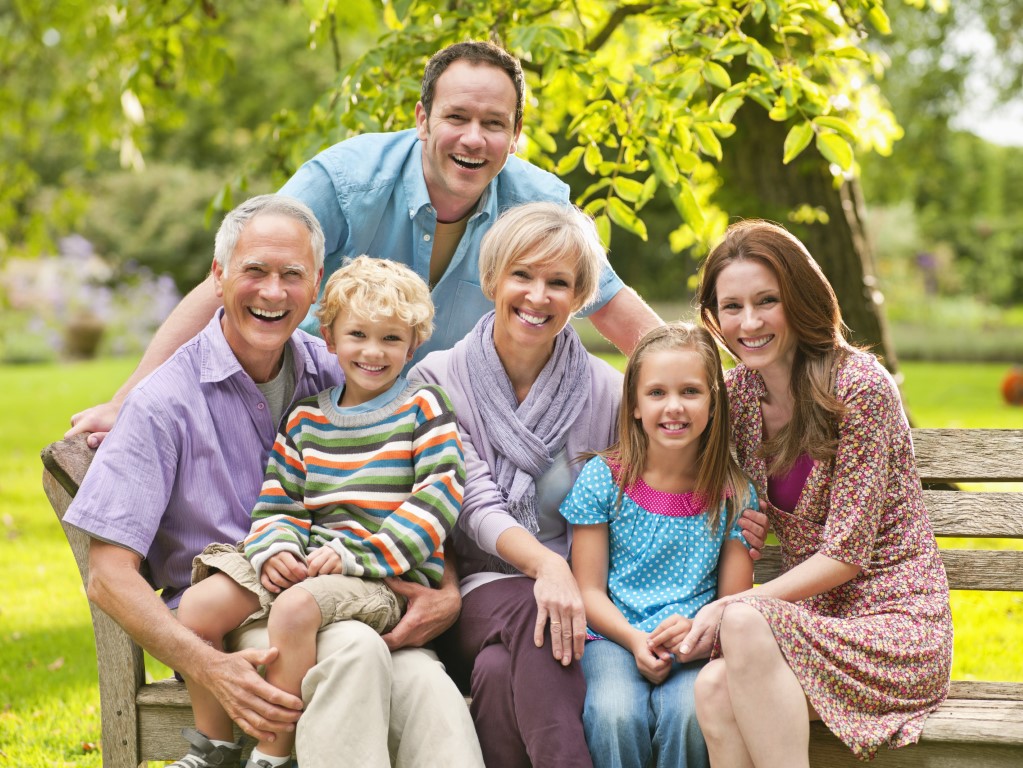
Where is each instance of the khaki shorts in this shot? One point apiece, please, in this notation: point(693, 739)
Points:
point(340, 598)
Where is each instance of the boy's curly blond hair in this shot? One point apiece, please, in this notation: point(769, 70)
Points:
point(378, 289)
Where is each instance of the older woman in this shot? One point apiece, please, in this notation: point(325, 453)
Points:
point(529, 400)
point(857, 629)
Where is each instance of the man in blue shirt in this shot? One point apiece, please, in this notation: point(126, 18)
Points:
point(423, 197)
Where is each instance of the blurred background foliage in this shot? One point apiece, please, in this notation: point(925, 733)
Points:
point(133, 124)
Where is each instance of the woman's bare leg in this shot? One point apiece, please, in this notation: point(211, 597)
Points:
point(768, 702)
point(717, 721)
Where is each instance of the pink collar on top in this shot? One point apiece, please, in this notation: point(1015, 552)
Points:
point(687, 504)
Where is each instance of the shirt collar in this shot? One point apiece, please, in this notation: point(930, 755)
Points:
point(219, 363)
point(413, 181)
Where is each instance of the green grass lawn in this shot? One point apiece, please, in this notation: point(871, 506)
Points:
point(49, 700)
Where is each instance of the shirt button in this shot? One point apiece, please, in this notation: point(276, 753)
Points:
point(260, 406)
point(426, 237)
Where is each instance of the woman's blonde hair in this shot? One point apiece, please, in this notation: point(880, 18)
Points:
point(718, 476)
point(378, 289)
point(812, 312)
point(544, 234)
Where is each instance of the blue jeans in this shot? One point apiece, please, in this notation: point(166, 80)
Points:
point(632, 723)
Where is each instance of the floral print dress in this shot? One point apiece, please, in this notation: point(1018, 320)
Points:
point(874, 654)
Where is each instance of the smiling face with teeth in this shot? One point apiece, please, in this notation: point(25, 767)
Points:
point(371, 353)
point(267, 288)
point(468, 135)
point(534, 300)
point(673, 401)
point(752, 317)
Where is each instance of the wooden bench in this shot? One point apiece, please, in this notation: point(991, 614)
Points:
point(981, 724)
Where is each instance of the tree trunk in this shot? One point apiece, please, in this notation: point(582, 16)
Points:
point(758, 185)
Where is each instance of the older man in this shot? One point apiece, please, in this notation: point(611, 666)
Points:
point(184, 468)
point(425, 197)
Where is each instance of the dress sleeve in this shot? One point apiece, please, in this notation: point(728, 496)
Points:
point(280, 520)
point(593, 497)
point(866, 435)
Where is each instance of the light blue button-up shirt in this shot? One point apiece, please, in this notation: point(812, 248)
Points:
point(370, 196)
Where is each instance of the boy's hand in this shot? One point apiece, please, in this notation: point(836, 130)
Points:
point(282, 571)
point(323, 560)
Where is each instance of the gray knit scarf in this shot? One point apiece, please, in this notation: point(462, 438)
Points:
point(529, 435)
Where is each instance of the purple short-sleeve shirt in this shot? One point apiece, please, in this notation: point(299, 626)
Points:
point(184, 463)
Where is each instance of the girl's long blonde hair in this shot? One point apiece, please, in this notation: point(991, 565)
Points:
point(718, 476)
point(812, 312)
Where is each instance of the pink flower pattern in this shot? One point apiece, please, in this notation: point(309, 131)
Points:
point(873, 655)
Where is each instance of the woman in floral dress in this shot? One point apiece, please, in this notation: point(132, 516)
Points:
point(856, 631)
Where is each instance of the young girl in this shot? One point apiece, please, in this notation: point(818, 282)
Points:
point(655, 539)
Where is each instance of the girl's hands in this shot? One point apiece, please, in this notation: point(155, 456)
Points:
point(653, 666)
point(664, 641)
point(282, 571)
point(558, 599)
point(324, 560)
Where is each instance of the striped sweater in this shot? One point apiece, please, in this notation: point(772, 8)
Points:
point(381, 488)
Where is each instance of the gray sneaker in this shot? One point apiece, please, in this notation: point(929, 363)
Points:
point(205, 754)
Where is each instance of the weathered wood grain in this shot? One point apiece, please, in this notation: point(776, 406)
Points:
point(988, 570)
point(974, 514)
point(969, 455)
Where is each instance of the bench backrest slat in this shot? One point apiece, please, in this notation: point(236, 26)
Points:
point(968, 514)
point(992, 570)
point(970, 455)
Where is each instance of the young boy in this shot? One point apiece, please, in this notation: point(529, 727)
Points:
point(364, 481)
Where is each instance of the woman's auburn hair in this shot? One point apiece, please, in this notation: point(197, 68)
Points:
point(719, 477)
point(813, 315)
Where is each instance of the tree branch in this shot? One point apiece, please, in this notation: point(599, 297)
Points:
point(621, 13)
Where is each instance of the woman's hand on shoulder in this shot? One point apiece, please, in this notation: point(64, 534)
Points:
point(559, 602)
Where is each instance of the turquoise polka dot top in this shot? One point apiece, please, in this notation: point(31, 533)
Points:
point(664, 558)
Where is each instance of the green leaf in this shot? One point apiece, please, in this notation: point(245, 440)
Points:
point(543, 140)
point(692, 213)
point(689, 81)
point(663, 166)
point(708, 140)
point(836, 124)
point(569, 162)
point(626, 218)
point(604, 230)
point(716, 75)
point(594, 188)
point(629, 190)
point(850, 52)
point(880, 20)
point(592, 158)
point(649, 189)
point(835, 150)
point(797, 140)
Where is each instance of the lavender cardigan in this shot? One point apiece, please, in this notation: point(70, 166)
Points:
point(483, 517)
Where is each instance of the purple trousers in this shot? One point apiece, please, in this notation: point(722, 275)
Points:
point(526, 706)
